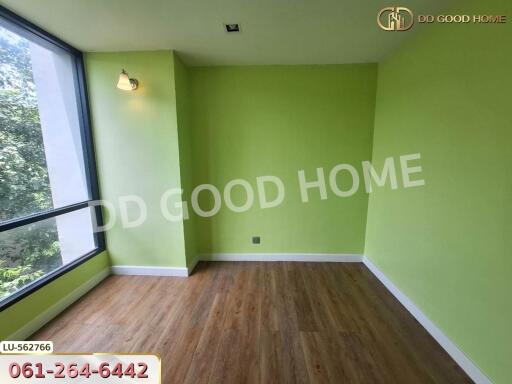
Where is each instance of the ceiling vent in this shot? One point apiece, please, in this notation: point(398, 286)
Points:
point(232, 28)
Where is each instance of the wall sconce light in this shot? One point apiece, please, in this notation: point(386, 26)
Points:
point(125, 83)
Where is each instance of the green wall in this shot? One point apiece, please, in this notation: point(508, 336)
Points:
point(446, 94)
point(23, 312)
point(183, 109)
point(277, 120)
point(212, 125)
point(136, 141)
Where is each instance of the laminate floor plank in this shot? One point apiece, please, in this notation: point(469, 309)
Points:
point(255, 322)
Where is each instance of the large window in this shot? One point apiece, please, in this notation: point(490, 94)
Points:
point(47, 173)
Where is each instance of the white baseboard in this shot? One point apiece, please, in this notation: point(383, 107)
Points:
point(43, 318)
point(149, 271)
point(449, 346)
point(302, 257)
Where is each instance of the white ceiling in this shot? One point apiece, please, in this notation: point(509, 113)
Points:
point(273, 31)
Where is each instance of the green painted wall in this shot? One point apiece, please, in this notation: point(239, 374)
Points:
point(136, 140)
point(20, 314)
point(447, 245)
point(276, 120)
point(183, 109)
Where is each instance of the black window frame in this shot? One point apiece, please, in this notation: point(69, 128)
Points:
point(27, 29)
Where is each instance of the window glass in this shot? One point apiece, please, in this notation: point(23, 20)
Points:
point(42, 160)
point(41, 154)
point(32, 251)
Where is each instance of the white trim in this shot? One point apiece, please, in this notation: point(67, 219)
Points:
point(449, 346)
point(149, 271)
point(301, 257)
point(40, 320)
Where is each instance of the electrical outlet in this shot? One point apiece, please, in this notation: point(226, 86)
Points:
point(256, 240)
point(230, 28)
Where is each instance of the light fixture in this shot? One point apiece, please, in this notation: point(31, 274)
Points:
point(125, 83)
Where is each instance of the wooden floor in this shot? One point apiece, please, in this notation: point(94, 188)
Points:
point(258, 323)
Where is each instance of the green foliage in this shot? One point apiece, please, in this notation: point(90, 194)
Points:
point(29, 252)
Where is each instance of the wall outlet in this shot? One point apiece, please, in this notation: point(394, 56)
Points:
point(256, 240)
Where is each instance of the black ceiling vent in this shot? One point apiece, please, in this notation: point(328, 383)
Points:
point(232, 27)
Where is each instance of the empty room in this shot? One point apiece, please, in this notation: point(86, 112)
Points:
point(240, 191)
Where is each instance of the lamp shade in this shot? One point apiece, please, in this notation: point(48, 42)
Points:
point(125, 83)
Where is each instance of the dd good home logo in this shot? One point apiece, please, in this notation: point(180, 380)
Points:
point(395, 19)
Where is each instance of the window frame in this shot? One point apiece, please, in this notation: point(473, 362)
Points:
point(33, 32)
